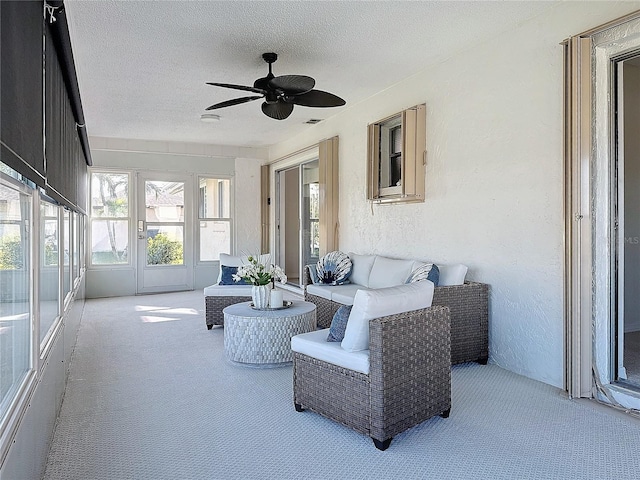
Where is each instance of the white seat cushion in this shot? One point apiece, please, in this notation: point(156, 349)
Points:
point(370, 304)
point(452, 274)
point(346, 293)
point(389, 272)
point(314, 344)
point(323, 291)
point(338, 293)
point(228, 291)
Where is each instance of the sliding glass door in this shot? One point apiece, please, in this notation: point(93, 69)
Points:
point(297, 219)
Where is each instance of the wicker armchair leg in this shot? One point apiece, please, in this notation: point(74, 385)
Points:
point(209, 327)
point(382, 444)
point(298, 407)
point(483, 361)
point(446, 413)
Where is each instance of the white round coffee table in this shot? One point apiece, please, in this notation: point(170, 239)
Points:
point(263, 337)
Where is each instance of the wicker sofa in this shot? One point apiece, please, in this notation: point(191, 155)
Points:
point(468, 302)
point(402, 378)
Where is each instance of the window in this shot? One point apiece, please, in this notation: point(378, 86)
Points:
point(66, 252)
point(15, 294)
point(390, 147)
point(110, 218)
point(396, 165)
point(214, 214)
point(76, 247)
point(49, 273)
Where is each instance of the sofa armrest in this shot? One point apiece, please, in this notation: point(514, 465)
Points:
point(469, 307)
point(410, 368)
point(306, 276)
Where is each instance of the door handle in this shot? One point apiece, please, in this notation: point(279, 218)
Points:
point(141, 232)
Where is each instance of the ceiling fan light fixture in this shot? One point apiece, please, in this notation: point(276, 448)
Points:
point(210, 118)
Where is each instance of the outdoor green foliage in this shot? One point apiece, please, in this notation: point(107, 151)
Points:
point(50, 254)
point(11, 255)
point(116, 207)
point(163, 251)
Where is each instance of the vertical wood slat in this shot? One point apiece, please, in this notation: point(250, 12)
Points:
point(328, 179)
point(421, 152)
point(577, 217)
point(264, 208)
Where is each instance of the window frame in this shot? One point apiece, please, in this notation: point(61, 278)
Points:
point(88, 260)
point(201, 210)
point(15, 405)
point(412, 121)
point(45, 339)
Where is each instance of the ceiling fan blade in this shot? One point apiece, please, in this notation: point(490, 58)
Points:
point(292, 84)
point(316, 98)
point(279, 110)
point(237, 87)
point(233, 101)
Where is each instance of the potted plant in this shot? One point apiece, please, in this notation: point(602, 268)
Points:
point(261, 276)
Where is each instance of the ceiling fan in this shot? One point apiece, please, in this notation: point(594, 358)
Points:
point(281, 93)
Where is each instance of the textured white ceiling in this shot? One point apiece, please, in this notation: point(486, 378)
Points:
point(142, 65)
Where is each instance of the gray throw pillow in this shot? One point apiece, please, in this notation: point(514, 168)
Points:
point(339, 324)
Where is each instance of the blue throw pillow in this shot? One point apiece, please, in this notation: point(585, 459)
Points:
point(339, 324)
point(227, 276)
point(428, 271)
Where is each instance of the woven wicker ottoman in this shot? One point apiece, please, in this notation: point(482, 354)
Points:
point(262, 338)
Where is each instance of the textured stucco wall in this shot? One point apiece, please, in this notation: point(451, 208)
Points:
point(494, 179)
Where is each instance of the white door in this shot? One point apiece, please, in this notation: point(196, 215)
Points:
point(164, 232)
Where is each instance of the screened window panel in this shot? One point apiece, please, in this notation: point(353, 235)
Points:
point(15, 294)
point(49, 273)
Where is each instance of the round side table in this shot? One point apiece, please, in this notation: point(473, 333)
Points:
point(263, 337)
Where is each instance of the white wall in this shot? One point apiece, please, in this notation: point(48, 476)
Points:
point(247, 206)
point(494, 180)
point(242, 164)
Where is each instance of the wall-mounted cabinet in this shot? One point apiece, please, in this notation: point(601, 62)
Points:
point(397, 157)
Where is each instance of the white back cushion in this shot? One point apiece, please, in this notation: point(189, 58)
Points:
point(389, 272)
point(452, 274)
point(369, 304)
point(361, 268)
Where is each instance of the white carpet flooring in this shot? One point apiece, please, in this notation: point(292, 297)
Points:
point(150, 396)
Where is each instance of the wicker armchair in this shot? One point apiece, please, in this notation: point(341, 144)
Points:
point(469, 306)
point(409, 378)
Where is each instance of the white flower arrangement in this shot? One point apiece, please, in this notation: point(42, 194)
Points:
point(256, 273)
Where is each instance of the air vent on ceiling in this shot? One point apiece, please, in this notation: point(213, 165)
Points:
point(313, 121)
